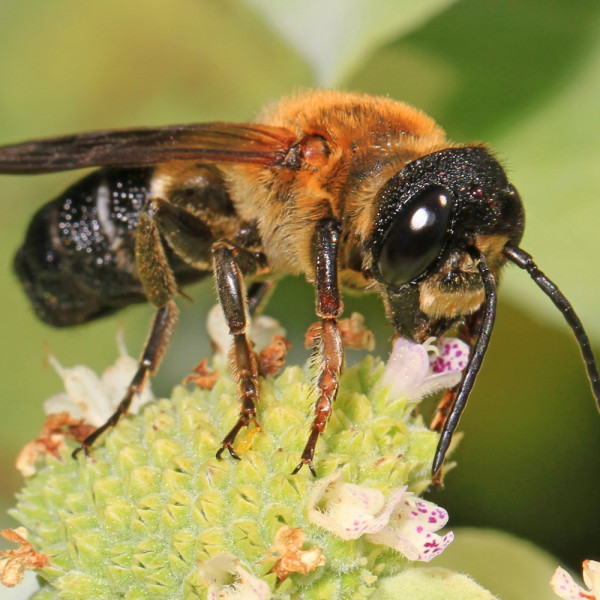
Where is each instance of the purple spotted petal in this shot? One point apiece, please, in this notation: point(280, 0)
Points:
point(564, 586)
point(453, 356)
point(417, 370)
point(411, 530)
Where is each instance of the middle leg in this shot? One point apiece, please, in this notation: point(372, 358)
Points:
point(230, 264)
point(330, 350)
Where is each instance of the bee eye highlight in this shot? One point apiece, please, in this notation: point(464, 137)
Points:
point(416, 237)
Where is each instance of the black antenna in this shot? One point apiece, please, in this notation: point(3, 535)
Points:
point(525, 261)
point(468, 380)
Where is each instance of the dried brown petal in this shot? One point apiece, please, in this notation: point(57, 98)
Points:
point(57, 427)
point(289, 556)
point(13, 563)
point(272, 358)
point(355, 335)
point(353, 331)
point(203, 377)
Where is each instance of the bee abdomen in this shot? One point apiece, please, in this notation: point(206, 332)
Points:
point(77, 262)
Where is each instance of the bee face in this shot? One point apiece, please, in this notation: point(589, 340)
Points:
point(430, 214)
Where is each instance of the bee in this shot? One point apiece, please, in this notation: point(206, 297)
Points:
point(350, 190)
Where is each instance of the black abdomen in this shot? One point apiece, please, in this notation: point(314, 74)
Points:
point(77, 262)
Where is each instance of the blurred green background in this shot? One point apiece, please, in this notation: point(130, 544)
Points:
point(522, 76)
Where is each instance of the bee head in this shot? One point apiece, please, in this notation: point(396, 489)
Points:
point(432, 216)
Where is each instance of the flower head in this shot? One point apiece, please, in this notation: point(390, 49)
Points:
point(153, 509)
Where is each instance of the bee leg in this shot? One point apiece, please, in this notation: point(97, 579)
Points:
point(158, 339)
point(160, 286)
point(188, 235)
point(258, 294)
point(192, 239)
point(230, 264)
point(330, 351)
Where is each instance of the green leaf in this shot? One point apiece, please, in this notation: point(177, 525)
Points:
point(554, 157)
point(432, 583)
point(512, 568)
point(336, 36)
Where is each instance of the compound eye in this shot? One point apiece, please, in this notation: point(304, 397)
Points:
point(416, 237)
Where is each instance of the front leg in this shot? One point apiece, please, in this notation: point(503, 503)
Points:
point(230, 264)
point(329, 351)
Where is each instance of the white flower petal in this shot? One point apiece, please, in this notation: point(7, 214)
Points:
point(217, 570)
point(218, 332)
point(262, 330)
point(118, 376)
point(406, 369)
point(434, 383)
point(86, 392)
point(411, 529)
point(418, 370)
point(226, 580)
point(591, 576)
point(342, 509)
point(247, 587)
point(348, 510)
point(116, 379)
point(93, 398)
point(62, 402)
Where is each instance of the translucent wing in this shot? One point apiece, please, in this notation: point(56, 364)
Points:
point(205, 142)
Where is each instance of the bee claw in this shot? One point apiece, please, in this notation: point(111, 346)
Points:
point(303, 462)
point(231, 451)
point(79, 448)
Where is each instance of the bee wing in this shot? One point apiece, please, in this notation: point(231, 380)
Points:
point(205, 142)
